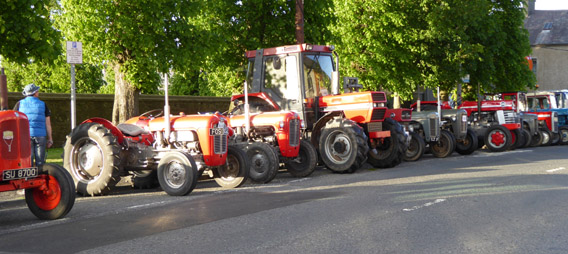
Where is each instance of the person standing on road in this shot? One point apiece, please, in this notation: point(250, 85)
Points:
point(40, 123)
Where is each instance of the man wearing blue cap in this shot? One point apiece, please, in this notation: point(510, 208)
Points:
point(40, 122)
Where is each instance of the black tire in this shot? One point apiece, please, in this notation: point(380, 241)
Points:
point(469, 144)
point(340, 146)
point(527, 137)
point(498, 138)
point(563, 131)
point(546, 137)
point(416, 148)
point(305, 164)
point(555, 139)
point(389, 153)
point(517, 139)
point(177, 173)
point(536, 139)
point(59, 197)
point(145, 179)
point(445, 146)
point(235, 172)
point(91, 155)
point(263, 162)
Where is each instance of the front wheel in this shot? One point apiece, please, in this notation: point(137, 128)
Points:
point(517, 138)
point(469, 144)
point(263, 162)
point(498, 138)
point(536, 140)
point(527, 137)
point(340, 145)
point(235, 172)
point(177, 173)
point(57, 198)
point(416, 148)
point(546, 137)
point(445, 145)
point(305, 164)
point(91, 155)
point(563, 131)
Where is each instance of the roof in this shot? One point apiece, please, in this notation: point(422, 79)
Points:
point(548, 27)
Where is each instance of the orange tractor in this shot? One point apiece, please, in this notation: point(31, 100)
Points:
point(49, 190)
point(175, 149)
point(346, 129)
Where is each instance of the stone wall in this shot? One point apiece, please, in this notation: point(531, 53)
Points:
point(100, 105)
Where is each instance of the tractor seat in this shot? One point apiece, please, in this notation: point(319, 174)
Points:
point(131, 129)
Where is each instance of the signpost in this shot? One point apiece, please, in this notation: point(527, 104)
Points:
point(74, 56)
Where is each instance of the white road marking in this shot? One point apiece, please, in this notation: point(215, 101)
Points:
point(300, 180)
point(424, 205)
point(491, 154)
point(555, 169)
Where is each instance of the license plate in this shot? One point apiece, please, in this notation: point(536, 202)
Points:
point(216, 131)
point(13, 174)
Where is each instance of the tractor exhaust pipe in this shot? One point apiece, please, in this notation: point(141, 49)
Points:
point(167, 111)
point(3, 90)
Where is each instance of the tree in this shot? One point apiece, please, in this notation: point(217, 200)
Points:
point(26, 32)
point(139, 39)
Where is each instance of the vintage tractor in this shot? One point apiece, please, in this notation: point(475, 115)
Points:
point(424, 131)
point(346, 129)
point(176, 149)
point(49, 189)
point(269, 136)
point(533, 134)
point(542, 102)
point(495, 122)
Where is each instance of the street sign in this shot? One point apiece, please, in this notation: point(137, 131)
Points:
point(74, 52)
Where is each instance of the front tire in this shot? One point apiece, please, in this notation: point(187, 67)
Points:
point(57, 199)
point(91, 155)
point(445, 145)
point(305, 164)
point(390, 152)
point(340, 146)
point(498, 138)
point(546, 137)
point(563, 131)
point(263, 162)
point(527, 138)
point(416, 148)
point(177, 173)
point(469, 144)
point(235, 172)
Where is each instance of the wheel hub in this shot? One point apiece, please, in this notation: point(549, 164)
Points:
point(497, 138)
point(175, 175)
point(341, 147)
point(89, 161)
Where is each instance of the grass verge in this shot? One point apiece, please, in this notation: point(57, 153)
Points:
point(55, 155)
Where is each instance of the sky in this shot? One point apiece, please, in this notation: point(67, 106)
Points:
point(551, 5)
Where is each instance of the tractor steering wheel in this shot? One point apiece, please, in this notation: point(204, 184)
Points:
point(150, 114)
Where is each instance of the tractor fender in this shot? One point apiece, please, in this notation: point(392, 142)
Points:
point(107, 124)
point(316, 130)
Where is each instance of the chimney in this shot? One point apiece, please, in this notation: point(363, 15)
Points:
point(531, 7)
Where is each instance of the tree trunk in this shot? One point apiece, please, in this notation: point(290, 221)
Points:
point(125, 97)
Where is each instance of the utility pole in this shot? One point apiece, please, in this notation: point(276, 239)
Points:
point(299, 21)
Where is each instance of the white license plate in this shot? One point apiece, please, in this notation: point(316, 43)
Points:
point(216, 131)
point(13, 174)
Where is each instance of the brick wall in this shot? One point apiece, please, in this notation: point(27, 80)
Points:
point(100, 105)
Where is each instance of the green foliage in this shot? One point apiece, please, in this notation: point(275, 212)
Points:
point(26, 31)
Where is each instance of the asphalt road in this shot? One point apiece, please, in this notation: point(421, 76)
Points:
point(511, 202)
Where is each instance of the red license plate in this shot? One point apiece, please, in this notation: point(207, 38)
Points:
point(13, 174)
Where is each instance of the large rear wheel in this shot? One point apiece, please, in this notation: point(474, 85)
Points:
point(263, 162)
point(416, 148)
point(445, 145)
point(235, 172)
point(498, 138)
point(305, 164)
point(389, 151)
point(340, 146)
point(91, 155)
point(469, 144)
point(177, 173)
point(57, 198)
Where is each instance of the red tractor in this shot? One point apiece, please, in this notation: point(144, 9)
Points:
point(176, 149)
point(269, 138)
point(346, 129)
point(495, 122)
point(49, 190)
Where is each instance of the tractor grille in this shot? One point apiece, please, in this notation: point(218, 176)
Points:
point(461, 119)
point(379, 97)
point(220, 144)
point(554, 122)
point(375, 126)
point(294, 132)
point(378, 114)
point(510, 116)
point(434, 128)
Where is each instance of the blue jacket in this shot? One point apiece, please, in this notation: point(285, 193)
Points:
point(34, 108)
